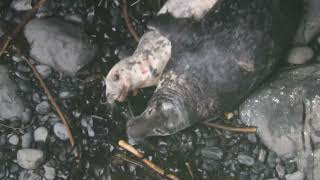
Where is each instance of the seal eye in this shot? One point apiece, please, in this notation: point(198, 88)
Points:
point(116, 77)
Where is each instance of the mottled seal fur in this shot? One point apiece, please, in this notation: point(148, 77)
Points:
point(145, 66)
point(216, 62)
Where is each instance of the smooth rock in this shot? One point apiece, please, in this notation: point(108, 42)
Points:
point(11, 105)
point(21, 5)
point(245, 160)
point(262, 155)
point(26, 140)
point(295, 176)
point(44, 70)
point(29, 175)
point(50, 172)
point(13, 139)
point(212, 153)
point(300, 55)
point(280, 170)
point(60, 131)
point(286, 112)
point(40, 134)
point(30, 158)
point(62, 45)
point(43, 107)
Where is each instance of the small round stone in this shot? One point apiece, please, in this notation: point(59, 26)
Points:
point(29, 175)
point(43, 107)
point(60, 131)
point(26, 140)
point(13, 139)
point(40, 134)
point(50, 172)
point(30, 158)
point(44, 70)
point(300, 55)
point(245, 160)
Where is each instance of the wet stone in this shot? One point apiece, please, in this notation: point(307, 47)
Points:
point(21, 5)
point(26, 116)
point(295, 176)
point(24, 86)
point(60, 131)
point(245, 159)
point(262, 155)
point(30, 158)
point(29, 175)
point(44, 70)
point(66, 95)
point(300, 55)
point(11, 105)
point(212, 153)
point(50, 172)
point(40, 134)
point(272, 159)
point(26, 140)
point(43, 107)
point(13, 139)
point(280, 170)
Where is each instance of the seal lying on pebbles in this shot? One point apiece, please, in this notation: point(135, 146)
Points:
point(216, 62)
point(145, 66)
point(287, 114)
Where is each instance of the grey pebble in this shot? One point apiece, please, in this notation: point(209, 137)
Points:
point(50, 172)
point(60, 131)
point(245, 160)
point(212, 153)
point(26, 140)
point(43, 107)
point(21, 5)
point(280, 170)
point(30, 158)
point(262, 155)
point(13, 139)
point(29, 175)
point(300, 55)
point(44, 70)
point(295, 176)
point(40, 134)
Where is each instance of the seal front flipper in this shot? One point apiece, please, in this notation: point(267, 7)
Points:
point(161, 118)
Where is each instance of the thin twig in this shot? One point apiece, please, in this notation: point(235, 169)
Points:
point(9, 127)
point(189, 169)
point(52, 101)
point(150, 164)
point(233, 129)
point(127, 20)
point(19, 27)
point(127, 159)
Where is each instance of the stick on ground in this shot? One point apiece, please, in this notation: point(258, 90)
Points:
point(233, 129)
point(51, 99)
point(150, 164)
point(127, 20)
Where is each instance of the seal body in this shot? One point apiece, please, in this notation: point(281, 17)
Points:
point(145, 66)
point(216, 62)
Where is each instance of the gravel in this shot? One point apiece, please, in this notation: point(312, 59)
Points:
point(300, 55)
point(40, 134)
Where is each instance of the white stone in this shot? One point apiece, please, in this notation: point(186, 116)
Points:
point(30, 158)
point(40, 134)
point(60, 131)
point(300, 55)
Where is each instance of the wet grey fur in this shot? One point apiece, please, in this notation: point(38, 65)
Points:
point(216, 62)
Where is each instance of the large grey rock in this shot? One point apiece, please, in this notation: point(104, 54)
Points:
point(310, 24)
point(30, 158)
point(11, 104)
point(286, 112)
point(60, 44)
